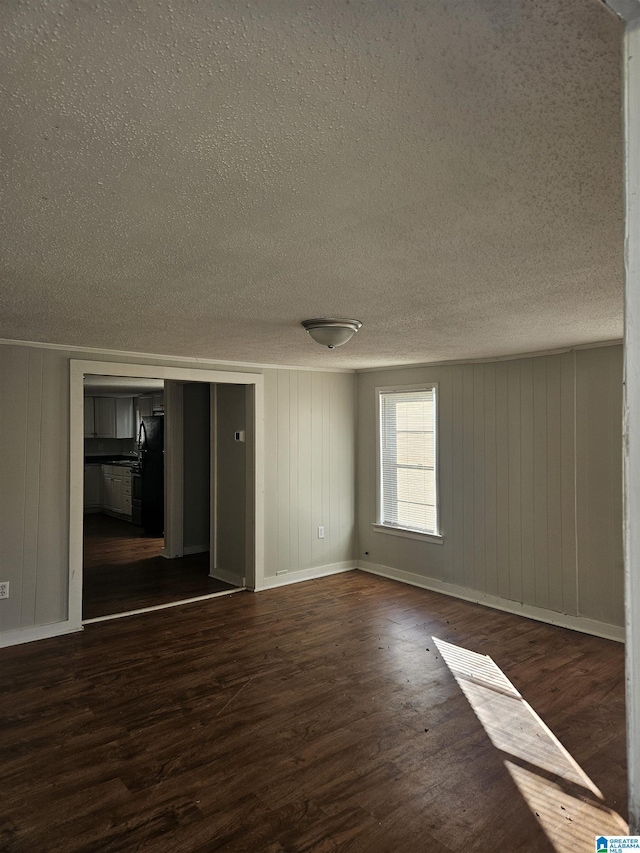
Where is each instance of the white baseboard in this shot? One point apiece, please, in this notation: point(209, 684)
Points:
point(227, 577)
point(562, 620)
point(306, 575)
point(41, 632)
point(195, 549)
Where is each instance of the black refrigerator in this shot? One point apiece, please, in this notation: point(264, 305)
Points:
point(151, 443)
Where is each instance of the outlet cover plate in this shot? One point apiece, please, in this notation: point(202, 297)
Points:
point(4, 589)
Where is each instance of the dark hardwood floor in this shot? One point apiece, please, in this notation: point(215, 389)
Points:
point(348, 714)
point(123, 570)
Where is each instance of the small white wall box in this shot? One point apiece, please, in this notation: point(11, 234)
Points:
point(239, 435)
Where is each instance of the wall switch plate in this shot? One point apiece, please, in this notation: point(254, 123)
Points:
point(321, 533)
point(4, 589)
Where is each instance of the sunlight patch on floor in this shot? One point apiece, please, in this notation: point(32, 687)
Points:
point(564, 800)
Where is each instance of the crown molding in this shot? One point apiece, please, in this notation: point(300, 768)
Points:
point(190, 361)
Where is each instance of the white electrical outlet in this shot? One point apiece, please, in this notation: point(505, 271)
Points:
point(4, 589)
point(321, 533)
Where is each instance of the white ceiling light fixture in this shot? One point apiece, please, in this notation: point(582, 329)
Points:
point(330, 332)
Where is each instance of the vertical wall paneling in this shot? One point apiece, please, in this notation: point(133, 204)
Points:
point(530, 451)
point(554, 484)
point(304, 470)
point(504, 506)
point(615, 487)
point(515, 464)
point(294, 493)
point(365, 510)
point(453, 526)
point(327, 549)
point(283, 477)
point(568, 483)
point(527, 473)
point(317, 445)
point(14, 408)
point(345, 432)
point(468, 489)
point(479, 505)
point(271, 504)
point(540, 473)
point(53, 516)
point(335, 513)
point(490, 481)
point(443, 556)
point(310, 475)
point(599, 448)
point(32, 489)
point(34, 470)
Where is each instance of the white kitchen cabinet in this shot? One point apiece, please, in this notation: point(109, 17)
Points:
point(145, 405)
point(125, 422)
point(89, 418)
point(107, 489)
point(92, 488)
point(116, 495)
point(109, 417)
point(105, 416)
point(158, 403)
point(116, 498)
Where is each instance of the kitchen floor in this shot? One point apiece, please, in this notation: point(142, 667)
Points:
point(124, 570)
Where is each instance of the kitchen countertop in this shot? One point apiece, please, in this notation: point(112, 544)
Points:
point(120, 461)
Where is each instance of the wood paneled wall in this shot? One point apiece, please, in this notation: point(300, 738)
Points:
point(530, 478)
point(530, 474)
point(310, 459)
point(310, 425)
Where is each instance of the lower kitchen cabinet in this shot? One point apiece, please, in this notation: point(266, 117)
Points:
point(93, 480)
point(107, 488)
point(117, 490)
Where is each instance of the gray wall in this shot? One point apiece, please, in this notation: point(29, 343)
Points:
point(530, 478)
point(196, 461)
point(231, 480)
point(310, 468)
point(34, 473)
point(530, 458)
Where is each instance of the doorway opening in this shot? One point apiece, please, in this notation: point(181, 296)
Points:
point(147, 530)
point(125, 565)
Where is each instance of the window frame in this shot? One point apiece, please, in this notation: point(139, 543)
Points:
point(378, 525)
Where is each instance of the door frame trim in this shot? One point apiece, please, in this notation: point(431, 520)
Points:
point(255, 522)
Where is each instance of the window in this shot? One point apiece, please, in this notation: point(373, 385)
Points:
point(407, 448)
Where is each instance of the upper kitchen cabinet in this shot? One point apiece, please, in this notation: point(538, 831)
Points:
point(105, 417)
point(151, 404)
point(145, 405)
point(109, 417)
point(125, 421)
point(89, 418)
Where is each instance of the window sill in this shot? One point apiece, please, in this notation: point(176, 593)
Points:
point(435, 538)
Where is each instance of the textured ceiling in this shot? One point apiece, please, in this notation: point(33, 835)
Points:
point(197, 178)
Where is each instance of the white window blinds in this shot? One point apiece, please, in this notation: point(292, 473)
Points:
point(408, 459)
